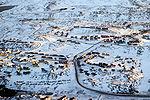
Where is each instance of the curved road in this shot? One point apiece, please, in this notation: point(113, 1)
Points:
point(101, 92)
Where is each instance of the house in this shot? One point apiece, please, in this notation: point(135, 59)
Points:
point(119, 42)
point(10, 64)
point(86, 73)
point(62, 62)
point(1, 65)
point(105, 36)
point(43, 57)
point(84, 55)
point(23, 59)
point(68, 64)
point(95, 52)
point(56, 63)
point(61, 66)
point(60, 55)
point(103, 65)
point(94, 74)
point(89, 53)
point(101, 56)
point(5, 59)
point(47, 62)
point(96, 37)
point(26, 73)
point(112, 36)
point(76, 37)
point(62, 59)
point(18, 72)
point(91, 57)
point(108, 40)
point(40, 53)
point(47, 54)
point(72, 36)
point(26, 68)
point(18, 53)
point(67, 34)
point(81, 37)
point(133, 42)
point(35, 63)
point(78, 63)
point(91, 37)
point(81, 70)
point(50, 57)
point(51, 66)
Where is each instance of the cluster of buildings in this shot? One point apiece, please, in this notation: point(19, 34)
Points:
point(16, 44)
point(118, 64)
point(6, 60)
point(125, 39)
point(61, 34)
point(53, 61)
point(20, 61)
point(117, 72)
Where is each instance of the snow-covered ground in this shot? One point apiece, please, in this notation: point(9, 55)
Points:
point(68, 28)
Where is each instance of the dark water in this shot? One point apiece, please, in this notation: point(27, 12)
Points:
point(3, 8)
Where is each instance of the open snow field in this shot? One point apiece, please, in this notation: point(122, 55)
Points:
point(75, 49)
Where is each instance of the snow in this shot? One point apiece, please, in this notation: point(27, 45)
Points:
point(46, 22)
point(114, 51)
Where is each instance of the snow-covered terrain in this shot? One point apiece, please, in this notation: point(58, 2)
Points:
point(42, 41)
